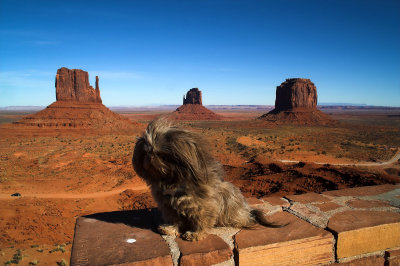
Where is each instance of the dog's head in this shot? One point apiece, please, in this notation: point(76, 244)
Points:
point(169, 153)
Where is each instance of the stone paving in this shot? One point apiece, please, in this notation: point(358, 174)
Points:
point(358, 226)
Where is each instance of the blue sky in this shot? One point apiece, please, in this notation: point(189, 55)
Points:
point(236, 52)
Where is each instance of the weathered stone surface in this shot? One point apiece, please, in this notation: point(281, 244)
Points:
point(114, 238)
point(361, 191)
point(308, 198)
point(73, 85)
point(327, 206)
point(297, 243)
point(276, 201)
point(361, 232)
point(358, 203)
point(254, 202)
point(367, 261)
point(296, 93)
point(193, 96)
point(315, 217)
point(209, 251)
point(393, 257)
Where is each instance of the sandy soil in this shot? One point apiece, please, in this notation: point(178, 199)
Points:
point(64, 174)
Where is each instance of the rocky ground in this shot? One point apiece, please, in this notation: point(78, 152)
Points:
point(63, 174)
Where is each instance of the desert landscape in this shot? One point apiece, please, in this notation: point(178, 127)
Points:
point(295, 100)
point(74, 157)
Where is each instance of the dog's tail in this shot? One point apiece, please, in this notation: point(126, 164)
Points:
point(259, 217)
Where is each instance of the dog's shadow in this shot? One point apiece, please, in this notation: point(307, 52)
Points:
point(143, 218)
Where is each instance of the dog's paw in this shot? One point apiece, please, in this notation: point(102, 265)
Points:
point(168, 229)
point(193, 236)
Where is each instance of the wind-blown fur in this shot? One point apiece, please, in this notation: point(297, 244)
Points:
point(186, 182)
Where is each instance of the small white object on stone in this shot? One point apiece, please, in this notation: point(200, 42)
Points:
point(131, 240)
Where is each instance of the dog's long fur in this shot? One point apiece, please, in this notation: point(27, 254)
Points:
point(187, 184)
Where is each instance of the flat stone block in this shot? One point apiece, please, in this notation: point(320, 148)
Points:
point(275, 201)
point(361, 232)
point(367, 261)
point(358, 203)
point(327, 206)
point(118, 238)
point(319, 219)
point(209, 251)
point(361, 191)
point(308, 198)
point(297, 243)
point(253, 202)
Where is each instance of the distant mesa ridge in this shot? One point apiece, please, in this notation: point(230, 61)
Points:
point(78, 105)
point(296, 103)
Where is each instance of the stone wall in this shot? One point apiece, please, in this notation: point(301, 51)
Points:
point(358, 226)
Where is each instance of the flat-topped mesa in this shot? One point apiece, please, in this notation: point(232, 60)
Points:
point(296, 93)
point(193, 96)
point(296, 103)
point(72, 85)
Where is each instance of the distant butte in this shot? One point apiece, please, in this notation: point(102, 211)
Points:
point(193, 109)
point(72, 85)
point(78, 106)
point(296, 103)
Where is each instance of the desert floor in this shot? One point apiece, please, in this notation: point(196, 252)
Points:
point(63, 174)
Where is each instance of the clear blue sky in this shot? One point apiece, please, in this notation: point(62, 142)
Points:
point(236, 52)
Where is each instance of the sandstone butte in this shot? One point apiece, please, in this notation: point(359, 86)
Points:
point(296, 103)
point(193, 109)
point(78, 106)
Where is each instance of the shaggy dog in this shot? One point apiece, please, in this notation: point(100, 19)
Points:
point(187, 184)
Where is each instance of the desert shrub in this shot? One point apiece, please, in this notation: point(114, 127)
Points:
point(34, 262)
point(58, 248)
point(17, 257)
point(234, 145)
point(62, 262)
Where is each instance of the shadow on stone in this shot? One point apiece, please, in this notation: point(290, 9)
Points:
point(119, 237)
point(133, 218)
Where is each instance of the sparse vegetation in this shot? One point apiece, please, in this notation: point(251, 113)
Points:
point(62, 262)
point(58, 248)
point(16, 258)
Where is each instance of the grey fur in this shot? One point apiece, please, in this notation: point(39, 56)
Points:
point(187, 184)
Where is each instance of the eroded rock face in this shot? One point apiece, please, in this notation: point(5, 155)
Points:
point(296, 103)
point(73, 85)
point(193, 96)
point(296, 93)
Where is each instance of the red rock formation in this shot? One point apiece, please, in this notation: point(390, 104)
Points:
point(296, 103)
point(193, 109)
point(193, 96)
point(296, 93)
point(73, 85)
point(78, 106)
